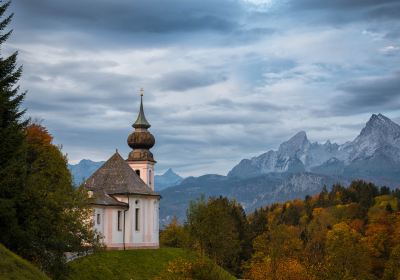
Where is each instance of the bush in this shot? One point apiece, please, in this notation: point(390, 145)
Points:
point(199, 269)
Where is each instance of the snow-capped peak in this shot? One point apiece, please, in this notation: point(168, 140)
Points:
point(297, 143)
point(380, 124)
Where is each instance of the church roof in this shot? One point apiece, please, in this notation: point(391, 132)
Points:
point(115, 176)
point(101, 198)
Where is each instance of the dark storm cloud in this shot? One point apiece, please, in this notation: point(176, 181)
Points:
point(154, 16)
point(185, 80)
point(369, 95)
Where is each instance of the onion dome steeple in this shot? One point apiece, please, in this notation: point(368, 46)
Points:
point(141, 140)
point(141, 121)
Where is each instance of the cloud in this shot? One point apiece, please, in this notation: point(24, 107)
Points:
point(185, 80)
point(341, 12)
point(370, 94)
point(224, 80)
point(153, 16)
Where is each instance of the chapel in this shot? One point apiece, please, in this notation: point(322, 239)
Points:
point(125, 205)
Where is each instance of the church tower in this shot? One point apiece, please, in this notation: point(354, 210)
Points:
point(140, 159)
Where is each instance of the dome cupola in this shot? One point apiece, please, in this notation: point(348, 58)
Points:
point(141, 140)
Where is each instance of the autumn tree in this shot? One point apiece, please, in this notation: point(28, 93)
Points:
point(392, 268)
point(174, 235)
point(279, 245)
point(346, 255)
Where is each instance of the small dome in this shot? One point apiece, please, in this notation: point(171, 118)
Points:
point(141, 140)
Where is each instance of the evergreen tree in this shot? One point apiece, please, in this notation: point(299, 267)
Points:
point(12, 147)
point(42, 216)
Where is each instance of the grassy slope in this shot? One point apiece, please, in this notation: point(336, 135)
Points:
point(16, 268)
point(131, 264)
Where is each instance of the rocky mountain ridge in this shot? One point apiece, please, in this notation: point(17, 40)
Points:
point(379, 139)
point(298, 168)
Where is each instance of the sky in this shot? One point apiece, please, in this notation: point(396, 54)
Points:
point(224, 80)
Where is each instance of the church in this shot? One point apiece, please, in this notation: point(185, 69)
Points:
point(125, 205)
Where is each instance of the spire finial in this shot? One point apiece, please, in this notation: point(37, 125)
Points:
point(141, 121)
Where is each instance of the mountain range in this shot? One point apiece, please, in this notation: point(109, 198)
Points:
point(296, 169)
point(374, 155)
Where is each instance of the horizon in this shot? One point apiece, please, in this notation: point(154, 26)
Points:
point(162, 172)
point(223, 81)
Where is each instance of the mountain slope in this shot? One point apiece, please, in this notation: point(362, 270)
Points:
point(83, 170)
point(168, 179)
point(250, 192)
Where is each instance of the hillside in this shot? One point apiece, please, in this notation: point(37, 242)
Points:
point(132, 264)
point(14, 267)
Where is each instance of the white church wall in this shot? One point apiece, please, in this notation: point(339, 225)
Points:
point(117, 233)
point(98, 220)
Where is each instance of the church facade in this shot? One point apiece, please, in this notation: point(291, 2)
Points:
point(125, 205)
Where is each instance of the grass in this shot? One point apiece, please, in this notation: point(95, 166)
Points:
point(142, 264)
point(14, 267)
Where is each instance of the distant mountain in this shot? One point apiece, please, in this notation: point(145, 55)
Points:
point(251, 192)
point(83, 170)
point(86, 167)
point(299, 167)
point(168, 179)
point(374, 155)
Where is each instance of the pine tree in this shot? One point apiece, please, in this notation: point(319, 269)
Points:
point(12, 147)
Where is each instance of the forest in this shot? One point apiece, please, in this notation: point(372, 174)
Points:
point(348, 232)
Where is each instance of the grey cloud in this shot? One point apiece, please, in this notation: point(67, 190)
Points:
point(254, 106)
point(344, 11)
point(369, 95)
point(154, 16)
point(197, 137)
point(340, 4)
point(185, 80)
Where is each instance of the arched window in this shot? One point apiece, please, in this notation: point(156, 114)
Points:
point(149, 177)
point(137, 172)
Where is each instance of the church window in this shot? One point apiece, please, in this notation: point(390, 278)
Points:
point(98, 219)
point(119, 218)
point(150, 177)
point(137, 219)
point(137, 172)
